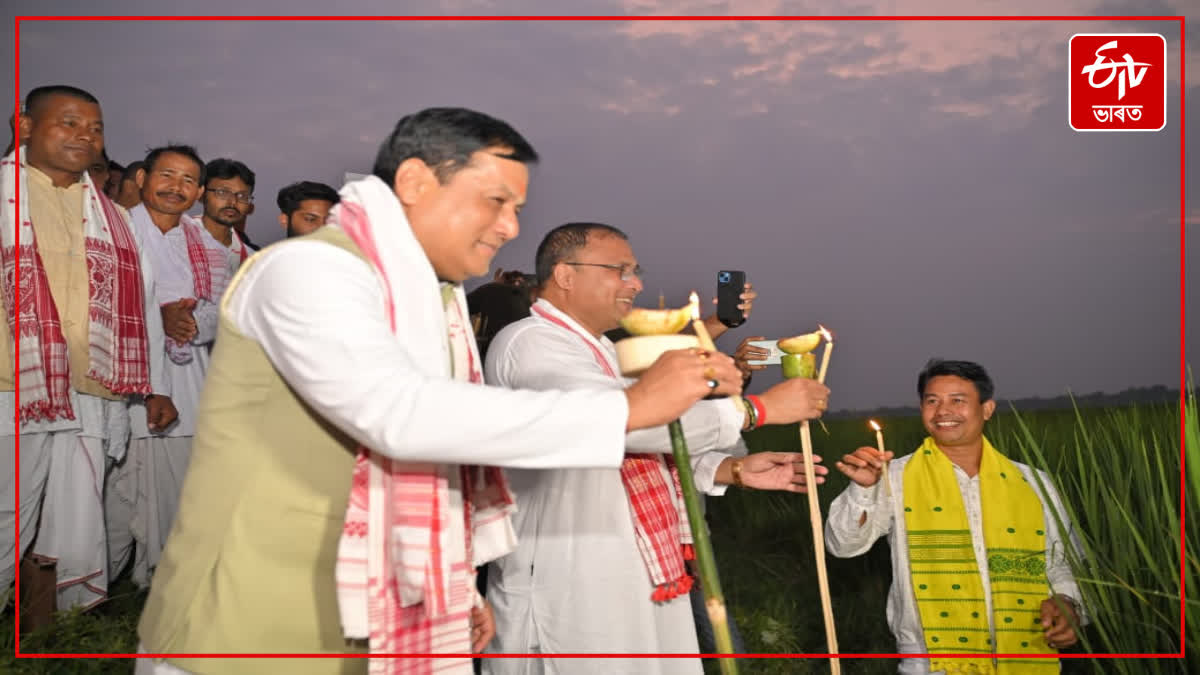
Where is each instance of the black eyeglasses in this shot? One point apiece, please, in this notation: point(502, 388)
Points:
point(241, 197)
point(627, 271)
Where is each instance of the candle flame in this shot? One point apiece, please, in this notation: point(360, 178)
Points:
point(694, 304)
point(875, 425)
point(825, 332)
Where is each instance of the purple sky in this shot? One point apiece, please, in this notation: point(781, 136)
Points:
point(912, 185)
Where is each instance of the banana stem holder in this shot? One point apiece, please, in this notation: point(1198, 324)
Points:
point(706, 564)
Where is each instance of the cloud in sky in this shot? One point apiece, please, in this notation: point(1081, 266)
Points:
point(914, 185)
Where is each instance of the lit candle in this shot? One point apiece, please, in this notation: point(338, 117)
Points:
point(825, 356)
point(887, 481)
point(706, 341)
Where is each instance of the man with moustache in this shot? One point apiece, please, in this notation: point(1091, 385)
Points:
point(979, 564)
point(87, 319)
point(191, 270)
point(304, 206)
point(228, 199)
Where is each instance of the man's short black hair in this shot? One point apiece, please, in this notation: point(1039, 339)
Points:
point(178, 149)
point(445, 139)
point(40, 95)
point(563, 241)
point(968, 370)
point(132, 169)
point(289, 198)
point(225, 168)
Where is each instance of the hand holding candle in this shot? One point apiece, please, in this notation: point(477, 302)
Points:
point(887, 481)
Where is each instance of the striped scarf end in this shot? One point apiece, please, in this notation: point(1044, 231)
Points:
point(672, 589)
point(46, 411)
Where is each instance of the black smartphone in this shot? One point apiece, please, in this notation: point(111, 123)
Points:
point(730, 286)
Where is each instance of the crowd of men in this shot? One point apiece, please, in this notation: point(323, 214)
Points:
point(300, 451)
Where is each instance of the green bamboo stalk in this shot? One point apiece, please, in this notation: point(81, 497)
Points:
point(706, 564)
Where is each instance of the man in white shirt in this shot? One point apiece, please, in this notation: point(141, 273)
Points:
point(590, 573)
point(334, 501)
point(228, 199)
point(978, 562)
point(192, 270)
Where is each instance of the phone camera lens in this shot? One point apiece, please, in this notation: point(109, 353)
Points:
point(723, 277)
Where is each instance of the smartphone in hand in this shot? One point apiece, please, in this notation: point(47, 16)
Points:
point(730, 286)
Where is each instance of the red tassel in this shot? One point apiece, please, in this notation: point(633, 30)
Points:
point(689, 553)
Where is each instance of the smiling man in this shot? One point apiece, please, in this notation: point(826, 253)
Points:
point(978, 562)
point(87, 319)
point(191, 271)
point(600, 565)
point(335, 501)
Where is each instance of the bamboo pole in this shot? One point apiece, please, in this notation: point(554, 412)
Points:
point(804, 365)
point(706, 564)
point(818, 532)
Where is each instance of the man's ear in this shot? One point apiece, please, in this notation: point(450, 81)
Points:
point(283, 221)
point(412, 180)
point(26, 128)
point(140, 178)
point(564, 276)
point(988, 408)
point(250, 211)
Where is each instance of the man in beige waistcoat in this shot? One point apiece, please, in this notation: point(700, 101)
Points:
point(335, 490)
point(86, 317)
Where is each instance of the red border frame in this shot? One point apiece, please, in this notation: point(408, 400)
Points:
point(1182, 124)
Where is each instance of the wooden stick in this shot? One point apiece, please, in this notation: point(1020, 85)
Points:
point(818, 532)
point(706, 563)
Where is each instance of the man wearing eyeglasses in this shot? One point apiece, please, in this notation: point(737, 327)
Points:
point(600, 558)
point(228, 200)
point(191, 270)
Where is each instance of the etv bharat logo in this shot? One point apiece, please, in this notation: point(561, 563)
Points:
point(1117, 82)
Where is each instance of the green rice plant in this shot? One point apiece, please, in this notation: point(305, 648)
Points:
point(1118, 471)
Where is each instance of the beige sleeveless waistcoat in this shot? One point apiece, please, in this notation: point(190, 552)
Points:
point(249, 564)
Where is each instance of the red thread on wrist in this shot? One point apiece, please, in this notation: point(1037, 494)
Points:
point(758, 408)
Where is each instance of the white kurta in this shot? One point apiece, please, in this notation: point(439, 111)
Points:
point(577, 582)
point(63, 462)
point(172, 268)
point(318, 313)
point(845, 538)
point(233, 252)
point(143, 490)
